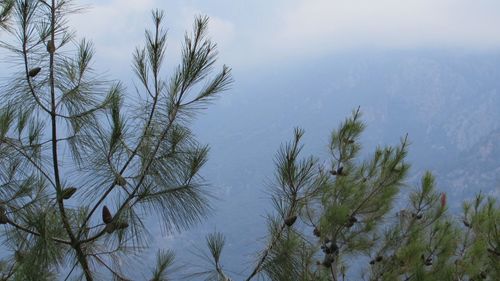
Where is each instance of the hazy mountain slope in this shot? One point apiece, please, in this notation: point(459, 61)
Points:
point(446, 102)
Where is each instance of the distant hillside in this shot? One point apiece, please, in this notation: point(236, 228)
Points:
point(448, 103)
point(477, 169)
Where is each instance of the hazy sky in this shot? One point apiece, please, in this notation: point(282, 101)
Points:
point(260, 32)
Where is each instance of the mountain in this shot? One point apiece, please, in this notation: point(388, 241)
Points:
point(447, 103)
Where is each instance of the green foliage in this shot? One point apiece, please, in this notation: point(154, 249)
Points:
point(361, 229)
point(164, 264)
point(5, 9)
point(72, 145)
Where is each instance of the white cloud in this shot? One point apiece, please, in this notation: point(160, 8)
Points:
point(117, 27)
point(261, 32)
point(221, 30)
point(321, 26)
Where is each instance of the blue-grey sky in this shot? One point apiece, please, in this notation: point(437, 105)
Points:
point(260, 32)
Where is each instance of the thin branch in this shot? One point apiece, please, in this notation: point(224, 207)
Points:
point(171, 119)
point(55, 160)
point(143, 176)
point(272, 244)
point(49, 141)
point(36, 233)
point(30, 159)
point(110, 269)
point(71, 271)
point(263, 258)
point(127, 163)
point(45, 3)
point(26, 69)
point(219, 270)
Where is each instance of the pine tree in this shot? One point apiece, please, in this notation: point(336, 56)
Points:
point(82, 164)
point(348, 222)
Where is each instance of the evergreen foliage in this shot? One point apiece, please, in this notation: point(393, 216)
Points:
point(5, 9)
point(82, 166)
point(346, 221)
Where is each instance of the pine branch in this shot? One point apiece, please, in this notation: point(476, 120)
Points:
point(67, 99)
point(164, 262)
point(116, 274)
point(156, 48)
point(272, 244)
point(30, 159)
point(22, 228)
point(71, 271)
point(25, 51)
point(53, 115)
point(138, 185)
point(215, 243)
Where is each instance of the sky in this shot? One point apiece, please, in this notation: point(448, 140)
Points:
point(252, 33)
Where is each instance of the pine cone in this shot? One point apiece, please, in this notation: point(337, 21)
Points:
point(351, 221)
point(3, 216)
point(417, 216)
point(333, 248)
point(443, 200)
point(33, 72)
point(340, 170)
point(119, 180)
point(427, 261)
point(317, 232)
point(68, 192)
point(466, 223)
point(290, 220)
point(51, 47)
point(106, 215)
